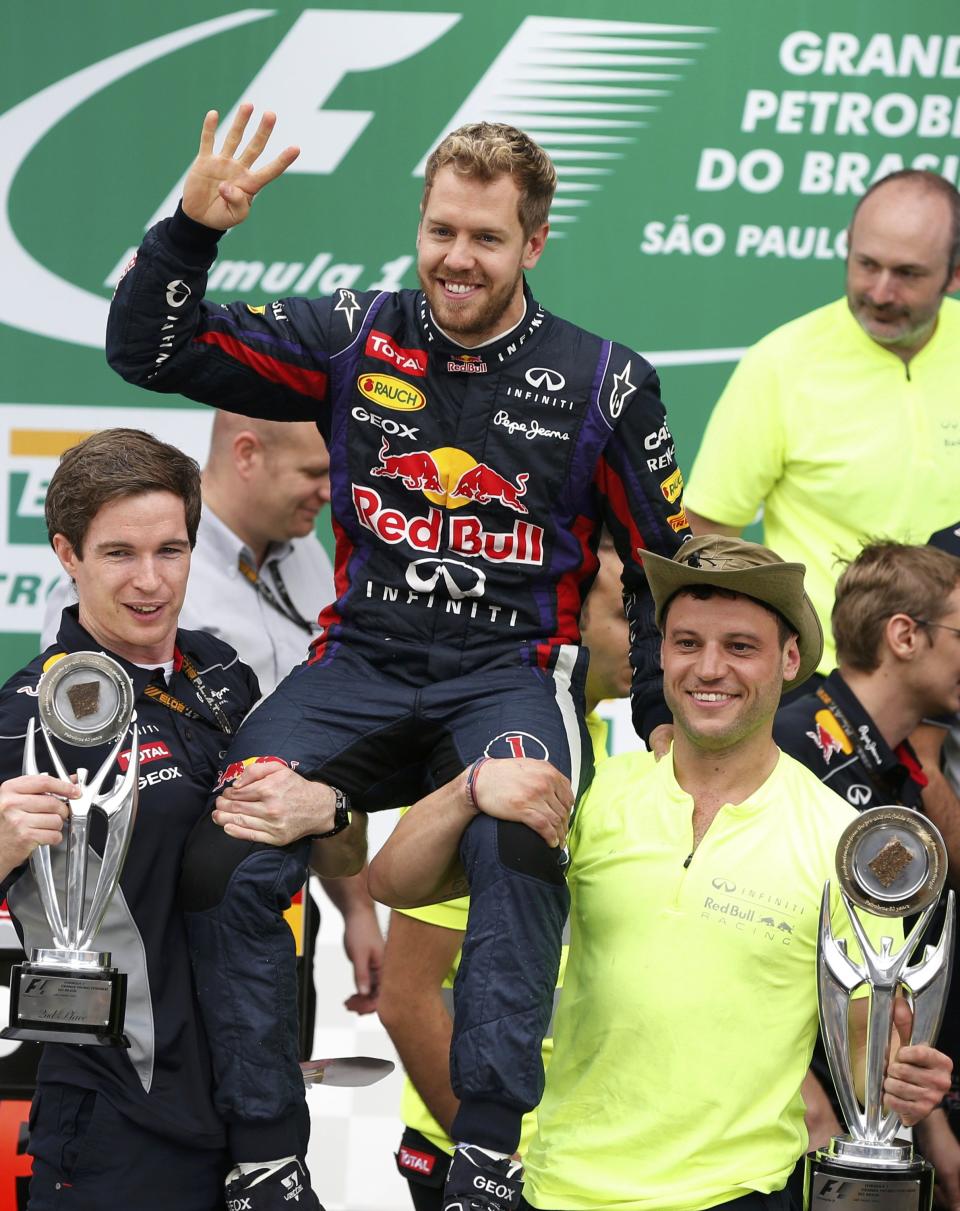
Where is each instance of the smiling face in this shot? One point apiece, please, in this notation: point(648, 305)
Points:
point(292, 483)
point(133, 575)
point(724, 665)
point(472, 252)
point(898, 266)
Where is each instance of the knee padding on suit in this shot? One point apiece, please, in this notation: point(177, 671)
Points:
point(522, 850)
point(209, 860)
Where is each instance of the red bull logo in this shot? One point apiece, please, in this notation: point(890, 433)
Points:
point(465, 535)
point(466, 363)
point(236, 768)
point(416, 469)
point(482, 484)
point(451, 477)
point(391, 392)
point(828, 736)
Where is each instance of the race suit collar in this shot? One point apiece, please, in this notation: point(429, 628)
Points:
point(493, 354)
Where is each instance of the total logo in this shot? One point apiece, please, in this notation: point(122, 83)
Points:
point(154, 751)
point(391, 392)
point(410, 361)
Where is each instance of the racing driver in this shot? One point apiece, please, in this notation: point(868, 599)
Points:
point(478, 445)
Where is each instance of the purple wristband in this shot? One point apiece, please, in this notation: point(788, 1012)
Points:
point(472, 773)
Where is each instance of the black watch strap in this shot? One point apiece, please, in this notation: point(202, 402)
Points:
point(341, 815)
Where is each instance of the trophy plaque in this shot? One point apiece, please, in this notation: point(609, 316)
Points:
point(68, 992)
point(891, 862)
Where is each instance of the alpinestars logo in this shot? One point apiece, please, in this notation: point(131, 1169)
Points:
point(622, 390)
point(348, 305)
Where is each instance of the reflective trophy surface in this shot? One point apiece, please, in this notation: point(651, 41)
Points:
point(68, 992)
point(891, 862)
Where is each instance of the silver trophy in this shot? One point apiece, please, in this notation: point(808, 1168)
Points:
point(68, 992)
point(891, 862)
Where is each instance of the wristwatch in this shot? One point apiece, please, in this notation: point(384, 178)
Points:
point(341, 815)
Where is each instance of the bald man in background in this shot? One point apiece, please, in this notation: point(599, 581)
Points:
point(258, 577)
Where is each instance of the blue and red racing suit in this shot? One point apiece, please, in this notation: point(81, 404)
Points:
point(469, 489)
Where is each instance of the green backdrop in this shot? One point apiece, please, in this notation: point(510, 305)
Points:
point(710, 154)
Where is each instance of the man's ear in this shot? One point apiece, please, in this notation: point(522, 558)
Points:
point(534, 246)
point(791, 659)
point(247, 453)
point(63, 549)
point(901, 635)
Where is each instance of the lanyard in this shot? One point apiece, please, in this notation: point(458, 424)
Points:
point(284, 606)
point(172, 703)
point(869, 760)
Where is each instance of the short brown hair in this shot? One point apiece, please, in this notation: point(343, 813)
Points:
point(888, 578)
point(112, 464)
point(487, 150)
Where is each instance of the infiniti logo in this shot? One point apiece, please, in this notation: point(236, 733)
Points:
point(724, 885)
point(858, 794)
point(461, 579)
point(177, 293)
point(542, 376)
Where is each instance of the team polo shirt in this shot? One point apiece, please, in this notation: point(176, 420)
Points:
point(453, 915)
point(838, 440)
point(689, 1007)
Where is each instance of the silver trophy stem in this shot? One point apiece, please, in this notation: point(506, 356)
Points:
point(40, 864)
point(77, 829)
point(120, 809)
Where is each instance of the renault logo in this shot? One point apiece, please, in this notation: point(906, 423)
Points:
point(541, 376)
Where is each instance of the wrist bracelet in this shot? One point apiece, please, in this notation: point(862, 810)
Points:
point(472, 773)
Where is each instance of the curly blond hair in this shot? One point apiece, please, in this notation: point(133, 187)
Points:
point(487, 150)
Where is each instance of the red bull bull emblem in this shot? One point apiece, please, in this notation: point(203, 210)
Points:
point(236, 768)
point(482, 484)
point(466, 363)
point(416, 469)
point(827, 744)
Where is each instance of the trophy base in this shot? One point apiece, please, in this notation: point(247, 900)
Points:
point(830, 1184)
point(53, 1005)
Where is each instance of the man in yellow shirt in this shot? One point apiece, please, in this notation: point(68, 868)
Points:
point(842, 424)
point(423, 949)
point(689, 1008)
